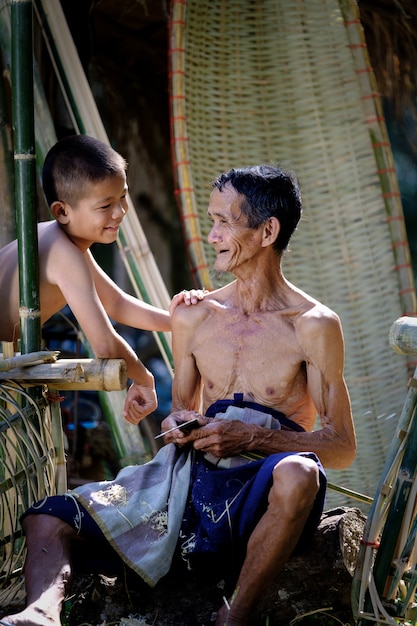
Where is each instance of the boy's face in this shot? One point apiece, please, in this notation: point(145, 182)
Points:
point(96, 218)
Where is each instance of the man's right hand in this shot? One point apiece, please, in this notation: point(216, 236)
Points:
point(141, 401)
point(178, 436)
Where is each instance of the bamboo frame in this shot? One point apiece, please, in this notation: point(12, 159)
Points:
point(70, 374)
point(25, 174)
point(387, 558)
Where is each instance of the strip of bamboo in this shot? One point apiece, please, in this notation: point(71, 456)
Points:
point(135, 251)
point(97, 374)
point(25, 174)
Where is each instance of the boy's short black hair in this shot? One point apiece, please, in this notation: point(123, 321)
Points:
point(74, 162)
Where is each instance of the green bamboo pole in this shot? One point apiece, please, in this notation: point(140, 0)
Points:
point(8, 231)
point(25, 174)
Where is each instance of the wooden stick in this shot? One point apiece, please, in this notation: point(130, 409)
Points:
point(97, 374)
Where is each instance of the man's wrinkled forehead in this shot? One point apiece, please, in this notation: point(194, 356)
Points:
point(226, 203)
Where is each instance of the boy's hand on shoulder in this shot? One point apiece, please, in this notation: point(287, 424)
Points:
point(188, 297)
point(141, 401)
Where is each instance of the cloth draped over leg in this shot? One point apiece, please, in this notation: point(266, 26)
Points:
point(181, 500)
point(140, 511)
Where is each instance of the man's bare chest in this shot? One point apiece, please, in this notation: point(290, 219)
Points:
point(250, 353)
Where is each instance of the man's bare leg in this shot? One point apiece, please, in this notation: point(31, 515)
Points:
point(295, 486)
point(47, 570)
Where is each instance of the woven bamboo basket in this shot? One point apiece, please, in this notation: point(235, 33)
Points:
point(32, 465)
point(290, 83)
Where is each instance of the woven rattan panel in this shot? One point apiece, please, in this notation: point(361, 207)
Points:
point(289, 82)
point(27, 474)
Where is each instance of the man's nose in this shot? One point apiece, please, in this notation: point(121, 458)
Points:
point(213, 235)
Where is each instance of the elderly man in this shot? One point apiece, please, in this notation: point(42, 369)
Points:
point(255, 363)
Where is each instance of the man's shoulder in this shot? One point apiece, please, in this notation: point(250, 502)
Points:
point(191, 316)
point(317, 318)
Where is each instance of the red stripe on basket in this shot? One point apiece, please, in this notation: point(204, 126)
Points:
point(180, 163)
point(397, 244)
point(402, 266)
point(189, 216)
point(351, 22)
point(189, 242)
point(371, 96)
point(381, 144)
point(408, 290)
point(392, 194)
point(393, 218)
point(204, 266)
point(376, 118)
point(385, 170)
point(184, 190)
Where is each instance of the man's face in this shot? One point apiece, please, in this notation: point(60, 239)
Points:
point(234, 241)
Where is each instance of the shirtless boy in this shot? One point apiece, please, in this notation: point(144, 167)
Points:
point(84, 181)
point(255, 362)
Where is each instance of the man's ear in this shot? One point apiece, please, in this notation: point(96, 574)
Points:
point(59, 211)
point(271, 231)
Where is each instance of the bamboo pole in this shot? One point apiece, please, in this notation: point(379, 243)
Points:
point(85, 374)
point(25, 174)
point(132, 242)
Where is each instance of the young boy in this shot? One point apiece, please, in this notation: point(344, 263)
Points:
point(84, 181)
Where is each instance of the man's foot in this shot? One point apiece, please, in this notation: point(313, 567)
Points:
point(230, 617)
point(29, 617)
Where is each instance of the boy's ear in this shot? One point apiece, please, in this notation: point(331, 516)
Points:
point(59, 211)
point(271, 231)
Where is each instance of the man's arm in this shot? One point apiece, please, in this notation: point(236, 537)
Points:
point(186, 386)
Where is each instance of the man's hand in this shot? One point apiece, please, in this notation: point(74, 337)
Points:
point(220, 437)
point(180, 437)
point(224, 437)
point(192, 296)
point(141, 400)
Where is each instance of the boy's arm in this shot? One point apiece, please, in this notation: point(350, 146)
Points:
point(126, 309)
point(72, 273)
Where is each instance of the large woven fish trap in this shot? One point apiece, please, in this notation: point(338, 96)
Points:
point(290, 83)
point(28, 472)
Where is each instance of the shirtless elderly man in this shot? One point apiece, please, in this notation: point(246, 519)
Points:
point(255, 362)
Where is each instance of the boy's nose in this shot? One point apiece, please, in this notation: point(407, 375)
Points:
point(119, 211)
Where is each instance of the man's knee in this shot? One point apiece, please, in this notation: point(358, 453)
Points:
point(296, 480)
point(40, 525)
